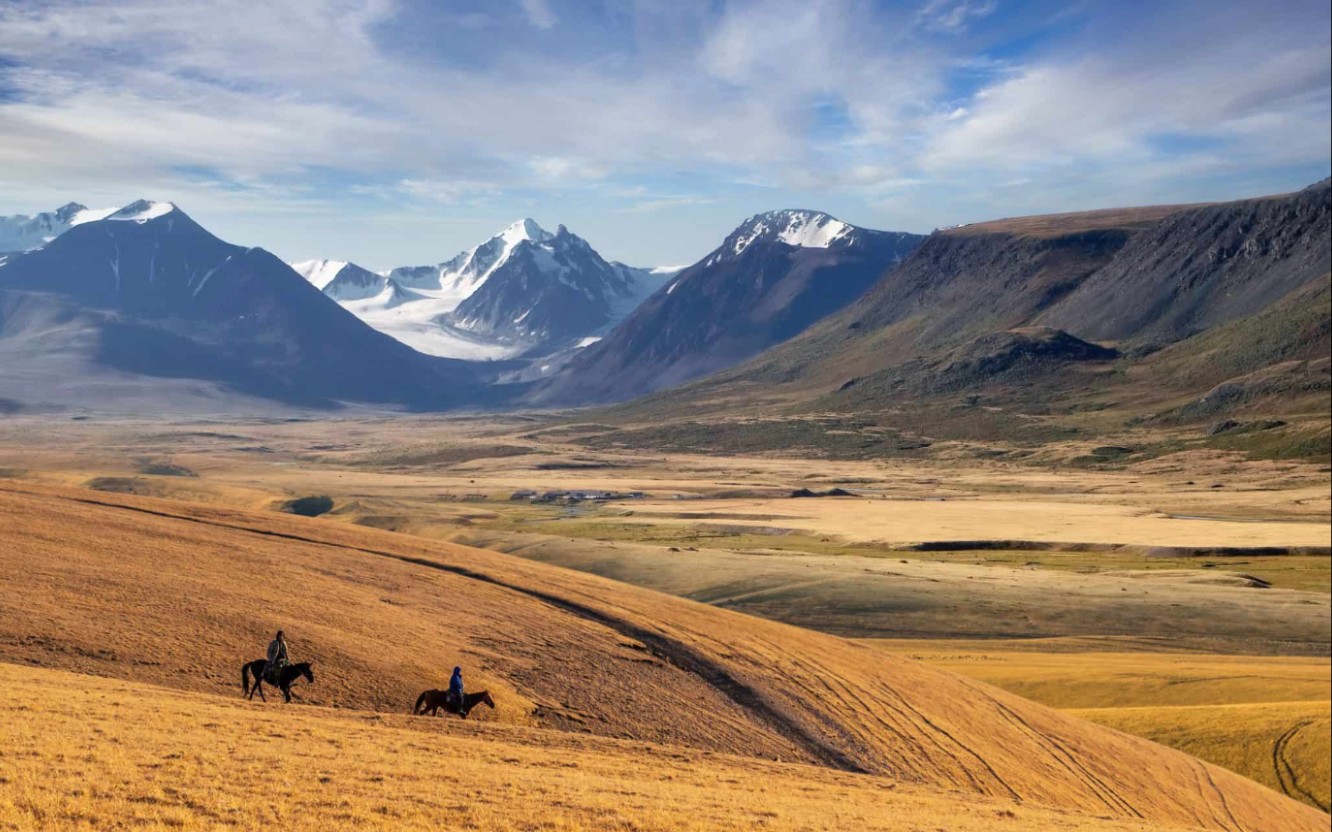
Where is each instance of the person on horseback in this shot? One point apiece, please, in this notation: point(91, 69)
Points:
point(277, 657)
point(456, 689)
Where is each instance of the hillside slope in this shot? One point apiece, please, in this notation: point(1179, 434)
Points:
point(1105, 289)
point(80, 748)
point(384, 616)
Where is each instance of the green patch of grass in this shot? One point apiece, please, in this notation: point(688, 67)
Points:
point(447, 454)
point(848, 438)
point(1312, 442)
point(163, 469)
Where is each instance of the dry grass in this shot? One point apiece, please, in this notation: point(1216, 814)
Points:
point(1283, 745)
point(895, 522)
point(381, 612)
point(209, 583)
point(1054, 225)
point(1263, 717)
point(80, 753)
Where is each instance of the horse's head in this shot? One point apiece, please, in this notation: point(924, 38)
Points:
point(485, 697)
point(307, 672)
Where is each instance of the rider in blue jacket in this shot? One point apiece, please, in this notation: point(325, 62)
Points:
point(456, 687)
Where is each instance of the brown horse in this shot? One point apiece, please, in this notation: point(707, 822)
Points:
point(431, 701)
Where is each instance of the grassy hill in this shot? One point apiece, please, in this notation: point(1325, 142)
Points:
point(155, 592)
point(82, 753)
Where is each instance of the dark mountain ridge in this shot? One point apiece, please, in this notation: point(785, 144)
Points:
point(1135, 312)
point(155, 295)
point(769, 280)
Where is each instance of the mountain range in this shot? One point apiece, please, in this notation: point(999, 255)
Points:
point(1011, 327)
point(144, 309)
point(23, 233)
point(523, 291)
point(772, 277)
point(1034, 328)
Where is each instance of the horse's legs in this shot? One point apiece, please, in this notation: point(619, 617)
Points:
point(259, 686)
point(286, 693)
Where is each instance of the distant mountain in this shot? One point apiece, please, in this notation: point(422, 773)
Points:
point(772, 277)
point(525, 290)
point(341, 281)
point(551, 291)
point(1015, 329)
point(146, 299)
point(22, 233)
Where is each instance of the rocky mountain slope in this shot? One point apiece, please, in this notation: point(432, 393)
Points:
point(772, 277)
point(1009, 330)
point(149, 301)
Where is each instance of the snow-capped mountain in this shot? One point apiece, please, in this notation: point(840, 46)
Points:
point(551, 289)
point(146, 299)
point(23, 233)
point(524, 290)
point(340, 280)
point(771, 278)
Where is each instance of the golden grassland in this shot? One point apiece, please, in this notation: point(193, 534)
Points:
point(82, 753)
point(898, 522)
point(1283, 745)
point(381, 625)
point(1261, 716)
point(383, 614)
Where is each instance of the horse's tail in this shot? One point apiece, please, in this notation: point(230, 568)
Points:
point(245, 678)
point(420, 700)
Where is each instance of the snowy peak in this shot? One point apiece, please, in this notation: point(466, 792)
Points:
point(23, 233)
point(523, 289)
point(319, 272)
point(465, 273)
point(524, 229)
point(142, 211)
point(69, 211)
point(803, 229)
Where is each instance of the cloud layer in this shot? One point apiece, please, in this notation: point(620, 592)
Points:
point(302, 120)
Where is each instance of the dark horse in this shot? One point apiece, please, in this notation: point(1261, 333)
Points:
point(286, 677)
point(431, 701)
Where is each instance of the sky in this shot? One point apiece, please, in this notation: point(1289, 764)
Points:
point(399, 132)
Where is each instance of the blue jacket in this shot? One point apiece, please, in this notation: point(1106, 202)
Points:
point(456, 684)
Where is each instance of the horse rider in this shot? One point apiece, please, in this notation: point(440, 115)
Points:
point(456, 688)
point(277, 657)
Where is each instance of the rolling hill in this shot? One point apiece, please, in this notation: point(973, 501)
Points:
point(382, 616)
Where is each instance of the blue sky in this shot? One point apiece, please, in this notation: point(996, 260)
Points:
point(394, 133)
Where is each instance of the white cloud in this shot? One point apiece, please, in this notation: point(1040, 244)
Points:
point(838, 102)
point(1099, 110)
point(538, 13)
point(953, 16)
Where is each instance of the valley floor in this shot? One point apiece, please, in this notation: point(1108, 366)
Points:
point(1184, 600)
